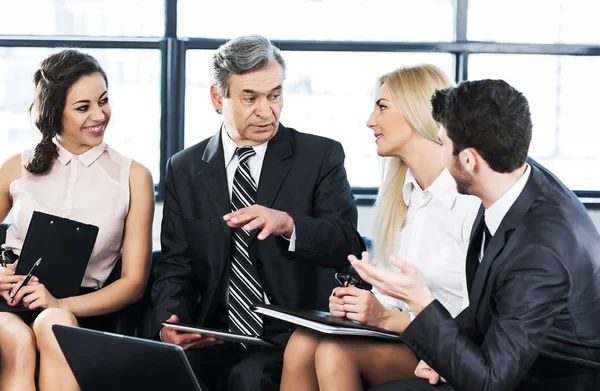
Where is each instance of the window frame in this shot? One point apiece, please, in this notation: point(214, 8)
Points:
point(173, 63)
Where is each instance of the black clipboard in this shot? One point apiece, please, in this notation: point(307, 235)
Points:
point(65, 247)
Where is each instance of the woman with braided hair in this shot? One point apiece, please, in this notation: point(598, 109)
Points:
point(74, 174)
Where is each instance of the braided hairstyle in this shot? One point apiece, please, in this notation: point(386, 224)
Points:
point(52, 82)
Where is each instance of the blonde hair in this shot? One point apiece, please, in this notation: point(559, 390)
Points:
point(411, 89)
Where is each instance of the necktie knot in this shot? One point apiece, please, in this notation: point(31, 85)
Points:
point(244, 153)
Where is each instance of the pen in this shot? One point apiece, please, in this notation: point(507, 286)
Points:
point(29, 275)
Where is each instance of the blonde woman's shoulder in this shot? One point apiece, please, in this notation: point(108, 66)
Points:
point(470, 206)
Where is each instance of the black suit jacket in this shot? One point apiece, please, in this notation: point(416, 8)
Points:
point(302, 175)
point(533, 322)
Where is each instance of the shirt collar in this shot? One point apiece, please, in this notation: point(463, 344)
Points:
point(495, 213)
point(86, 158)
point(229, 147)
point(442, 189)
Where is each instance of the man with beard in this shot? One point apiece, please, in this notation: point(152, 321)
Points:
point(258, 213)
point(533, 263)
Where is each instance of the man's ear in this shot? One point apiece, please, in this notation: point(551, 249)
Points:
point(216, 98)
point(469, 160)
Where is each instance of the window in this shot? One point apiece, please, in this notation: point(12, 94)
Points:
point(341, 20)
point(325, 93)
point(83, 17)
point(534, 21)
point(561, 91)
point(134, 90)
point(334, 49)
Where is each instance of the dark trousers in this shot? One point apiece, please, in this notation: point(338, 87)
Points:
point(411, 385)
point(230, 367)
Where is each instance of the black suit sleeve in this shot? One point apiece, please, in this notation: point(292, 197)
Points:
point(463, 322)
point(173, 291)
point(527, 296)
point(329, 235)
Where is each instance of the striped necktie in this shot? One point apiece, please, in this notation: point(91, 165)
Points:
point(244, 284)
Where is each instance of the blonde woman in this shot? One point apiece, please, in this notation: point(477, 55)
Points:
point(419, 216)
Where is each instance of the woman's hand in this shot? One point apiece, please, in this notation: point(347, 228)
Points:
point(34, 296)
point(9, 280)
point(336, 304)
point(362, 306)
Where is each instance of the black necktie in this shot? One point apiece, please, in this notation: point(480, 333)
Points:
point(488, 237)
point(244, 284)
point(473, 259)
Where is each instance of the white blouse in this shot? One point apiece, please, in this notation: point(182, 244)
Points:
point(92, 188)
point(435, 239)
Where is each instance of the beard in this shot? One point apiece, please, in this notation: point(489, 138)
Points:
point(463, 186)
point(464, 182)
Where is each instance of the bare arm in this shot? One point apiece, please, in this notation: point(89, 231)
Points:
point(395, 321)
point(136, 253)
point(9, 172)
point(363, 306)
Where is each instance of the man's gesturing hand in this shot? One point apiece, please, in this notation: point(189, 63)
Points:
point(269, 221)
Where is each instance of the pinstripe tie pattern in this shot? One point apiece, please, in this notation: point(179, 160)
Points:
point(244, 284)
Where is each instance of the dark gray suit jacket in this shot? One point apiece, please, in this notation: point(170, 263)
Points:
point(302, 175)
point(534, 317)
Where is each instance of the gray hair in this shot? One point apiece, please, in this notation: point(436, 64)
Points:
point(239, 56)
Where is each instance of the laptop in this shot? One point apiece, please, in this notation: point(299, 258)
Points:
point(106, 361)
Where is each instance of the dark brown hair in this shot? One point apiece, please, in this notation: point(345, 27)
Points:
point(52, 82)
point(490, 116)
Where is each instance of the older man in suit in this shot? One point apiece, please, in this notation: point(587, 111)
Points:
point(258, 213)
point(533, 264)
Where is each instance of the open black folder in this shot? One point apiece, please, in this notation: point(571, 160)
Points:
point(65, 247)
point(323, 323)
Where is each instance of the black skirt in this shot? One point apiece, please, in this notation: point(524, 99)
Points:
point(100, 323)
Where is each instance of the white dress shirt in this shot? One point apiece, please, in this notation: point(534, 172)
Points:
point(495, 213)
point(435, 239)
point(255, 164)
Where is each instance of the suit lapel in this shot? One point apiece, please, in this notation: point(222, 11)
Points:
point(212, 179)
point(274, 169)
point(493, 255)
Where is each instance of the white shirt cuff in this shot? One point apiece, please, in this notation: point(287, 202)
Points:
point(292, 240)
point(412, 316)
point(160, 334)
